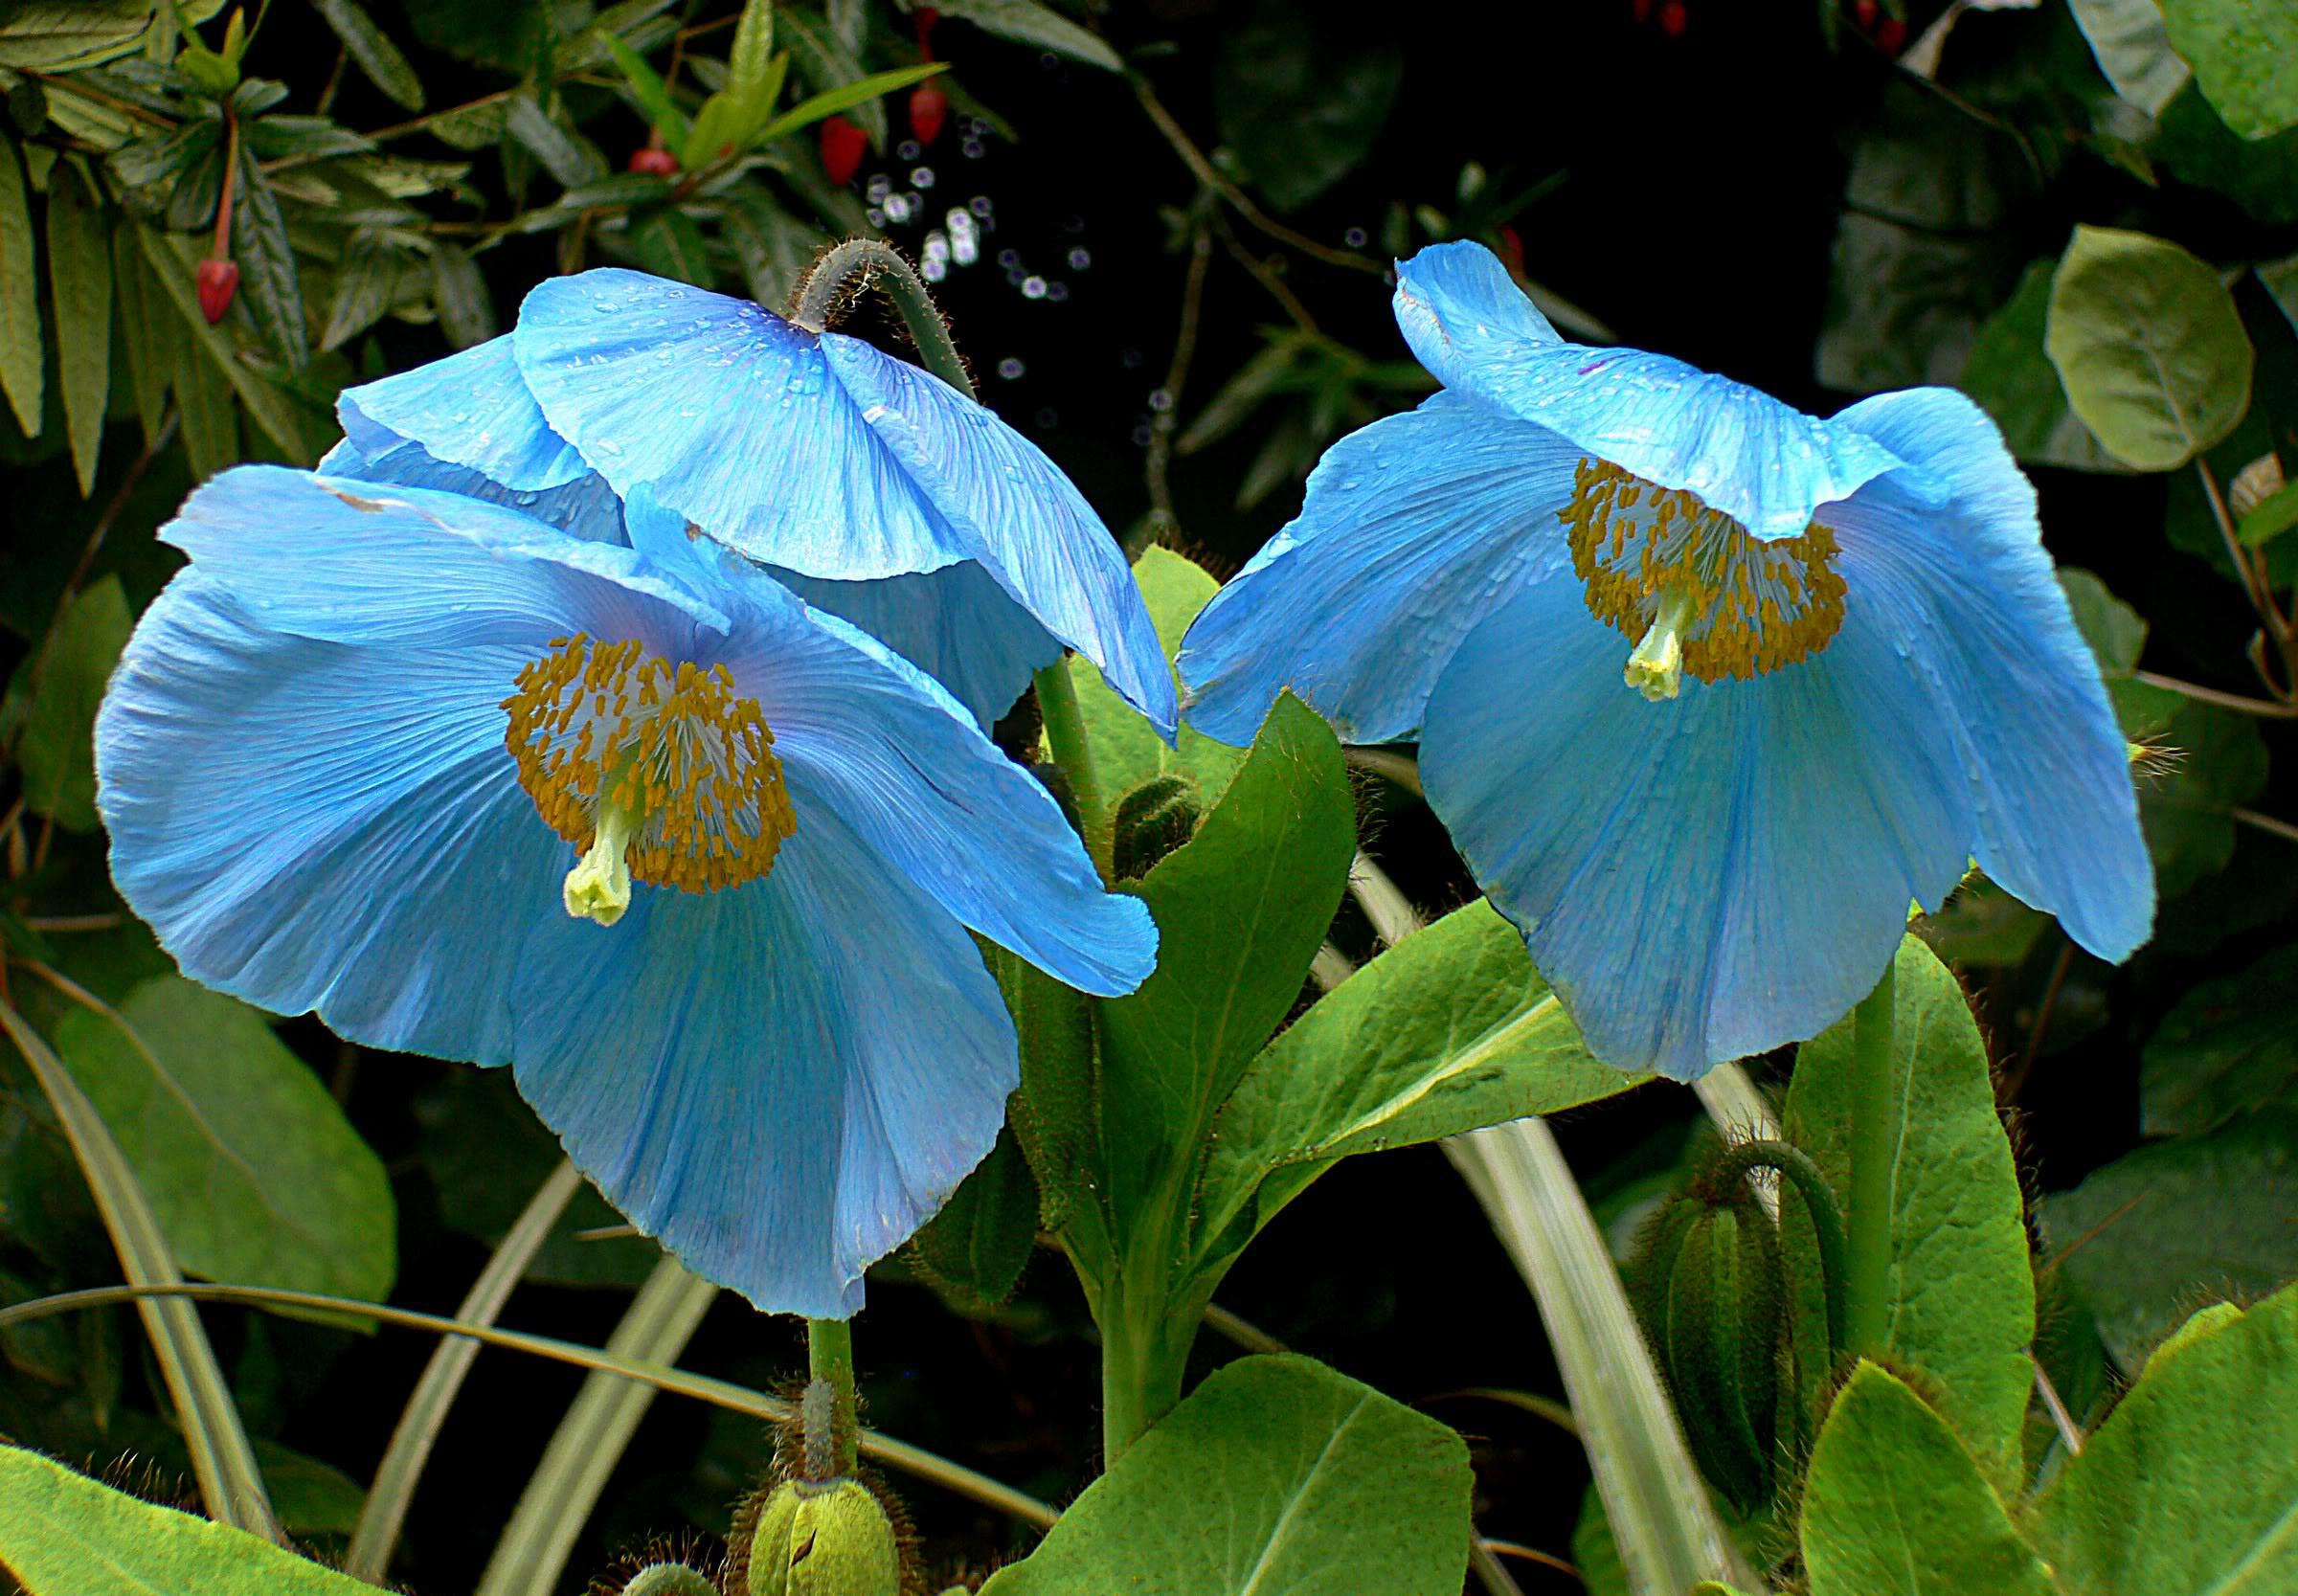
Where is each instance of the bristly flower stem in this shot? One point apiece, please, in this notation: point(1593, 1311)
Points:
point(1867, 1271)
point(830, 1359)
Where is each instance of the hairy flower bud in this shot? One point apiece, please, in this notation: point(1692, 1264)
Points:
point(827, 1539)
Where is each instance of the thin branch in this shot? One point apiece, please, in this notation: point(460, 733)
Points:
point(2211, 695)
point(2068, 1431)
point(1515, 1548)
point(1156, 463)
point(1268, 279)
point(2017, 1080)
point(2267, 824)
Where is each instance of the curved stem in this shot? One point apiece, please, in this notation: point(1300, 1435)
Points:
point(1867, 1269)
point(862, 264)
point(1795, 1167)
point(830, 1357)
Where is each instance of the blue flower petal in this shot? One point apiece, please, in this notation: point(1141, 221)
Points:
point(1413, 529)
point(1765, 464)
point(1704, 878)
point(1013, 511)
point(314, 825)
point(731, 416)
point(351, 561)
point(470, 409)
point(865, 736)
point(1967, 590)
point(585, 507)
point(834, 1059)
point(955, 624)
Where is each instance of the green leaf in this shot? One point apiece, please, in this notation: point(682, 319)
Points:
point(2281, 279)
point(365, 285)
point(466, 310)
point(2271, 518)
point(1052, 1113)
point(1125, 750)
point(1300, 105)
point(1961, 1294)
point(2116, 634)
point(2015, 382)
point(2156, 1233)
point(253, 1172)
point(1894, 1502)
point(2134, 50)
point(750, 59)
point(268, 284)
point(2191, 1486)
point(669, 244)
point(1276, 1474)
point(371, 48)
point(824, 60)
point(63, 36)
point(653, 96)
point(1241, 910)
point(1449, 1031)
point(211, 423)
point(2196, 148)
point(66, 681)
point(80, 276)
point(566, 156)
point(2149, 347)
point(2227, 1048)
point(2187, 812)
point(973, 1249)
point(2241, 51)
point(146, 328)
point(22, 368)
point(1026, 22)
point(63, 1535)
point(812, 109)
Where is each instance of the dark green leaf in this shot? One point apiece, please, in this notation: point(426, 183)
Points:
point(812, 109)
point(2240, 51)
point(62, 35)
point(670, 244)
point(378, 56)
point(2271, 518)
point(2227, 1048)
point(826, 63)
point(80, 276)
point(2156, 1233)
point(975, 1247)
point(646, 84)
point(566, 156)
point(1276, 1474)
point(1893, 1502)
point(1028, 22)
point(210, 420)
point(2149, 345)
point(314, 138)
point(637, 23)
point(2015, 382)
point(268, 283)
point(66, 680)
point(777, 250)
point(147, 325)
point(2217, 760)
point(364, 285)
point(301, 435)
point(253, 1172)
point(22, 368)
point(466, 312)
point(156, 159)
point(1300, 103)
point(2191, 1486)
point(1052, 1113)
point(1962, 1296)
point(750, 59)
point(2194, 146)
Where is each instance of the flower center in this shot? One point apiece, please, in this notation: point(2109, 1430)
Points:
point(658, 773)
point(1692, 587)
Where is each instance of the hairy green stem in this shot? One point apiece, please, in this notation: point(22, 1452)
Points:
point(1065, 741)
point(1867, 1266)
point(1795, 1166)
point(830, 1357)
point(863, 263)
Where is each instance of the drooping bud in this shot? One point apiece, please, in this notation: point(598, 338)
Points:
point(217, 281)
point(842, 144)
point(929, 109)
point(1151, 822)
point(827, 1539)
point(653, 160)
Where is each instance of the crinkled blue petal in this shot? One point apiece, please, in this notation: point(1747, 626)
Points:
point(731, 416)
point(865, 736)
point(955, 624)
point(470, 409)
point(1413, 530)
point(1013, 511)
point(1700, 879)
point(1966, 592)
point(781, 1082)
point(313, 824)
point(1766, 465)
point(585, 507)
point(351, 561)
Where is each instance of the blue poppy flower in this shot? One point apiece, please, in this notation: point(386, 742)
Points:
point(872, 487)
point(1706, 689)
point(698, 861)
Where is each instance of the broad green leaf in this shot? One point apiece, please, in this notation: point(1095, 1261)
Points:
point(2134, 50)
point(2261, 175)
point(2227, 1048)
point(975, 1247)
point(566, 156)
point(64, 1534)
point(2241, 51)
point(1962, 1294)
point(2015, 382)
point(2158, 1231)
point(1893, 1502)
point(2271, 518)
point(269, 286)
point(1028, 22)
point(466, 311)
point(2117, 634)
point(1241, 910)
point(2191, 1486)
point(2187, 811)
point(364, 284)
point(2149, 345)
point(1983, 924)
point(670, 244)
point(371, 48)
point(254, 1173)
point(146, 326)
point(66, 678)
point(302, 435)
point(1052, 1113)
point(1126, 750)
point(750, 59)
point(1300, 105)
point(80, 276)
point(1277, 1475)
point(1449, 1031)
point(22, 371)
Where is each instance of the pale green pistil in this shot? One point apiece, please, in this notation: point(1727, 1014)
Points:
point(598, 885)
point(1655, 669)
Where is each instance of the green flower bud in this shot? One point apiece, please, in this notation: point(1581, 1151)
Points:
point(1151, 822)
point(210, 73)
point(826, 1540)
point(669, 1579)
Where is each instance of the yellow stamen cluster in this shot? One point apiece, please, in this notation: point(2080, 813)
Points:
point(668, 751)
point(1746, 606)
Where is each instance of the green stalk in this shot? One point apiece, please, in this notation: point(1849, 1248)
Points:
point(1867, 1266)
point(1065, 740)
point(830, 1357)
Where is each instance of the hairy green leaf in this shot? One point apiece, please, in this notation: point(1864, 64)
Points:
point(371, 48)
point(975, 1247)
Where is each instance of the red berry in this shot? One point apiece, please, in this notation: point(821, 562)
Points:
point(1865, 12)
point(1672, 18)
point(1891, 34)
point(218, 281)
point(1640, 10)
point(841, 145)
point(929, 108)
point(653, 161)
